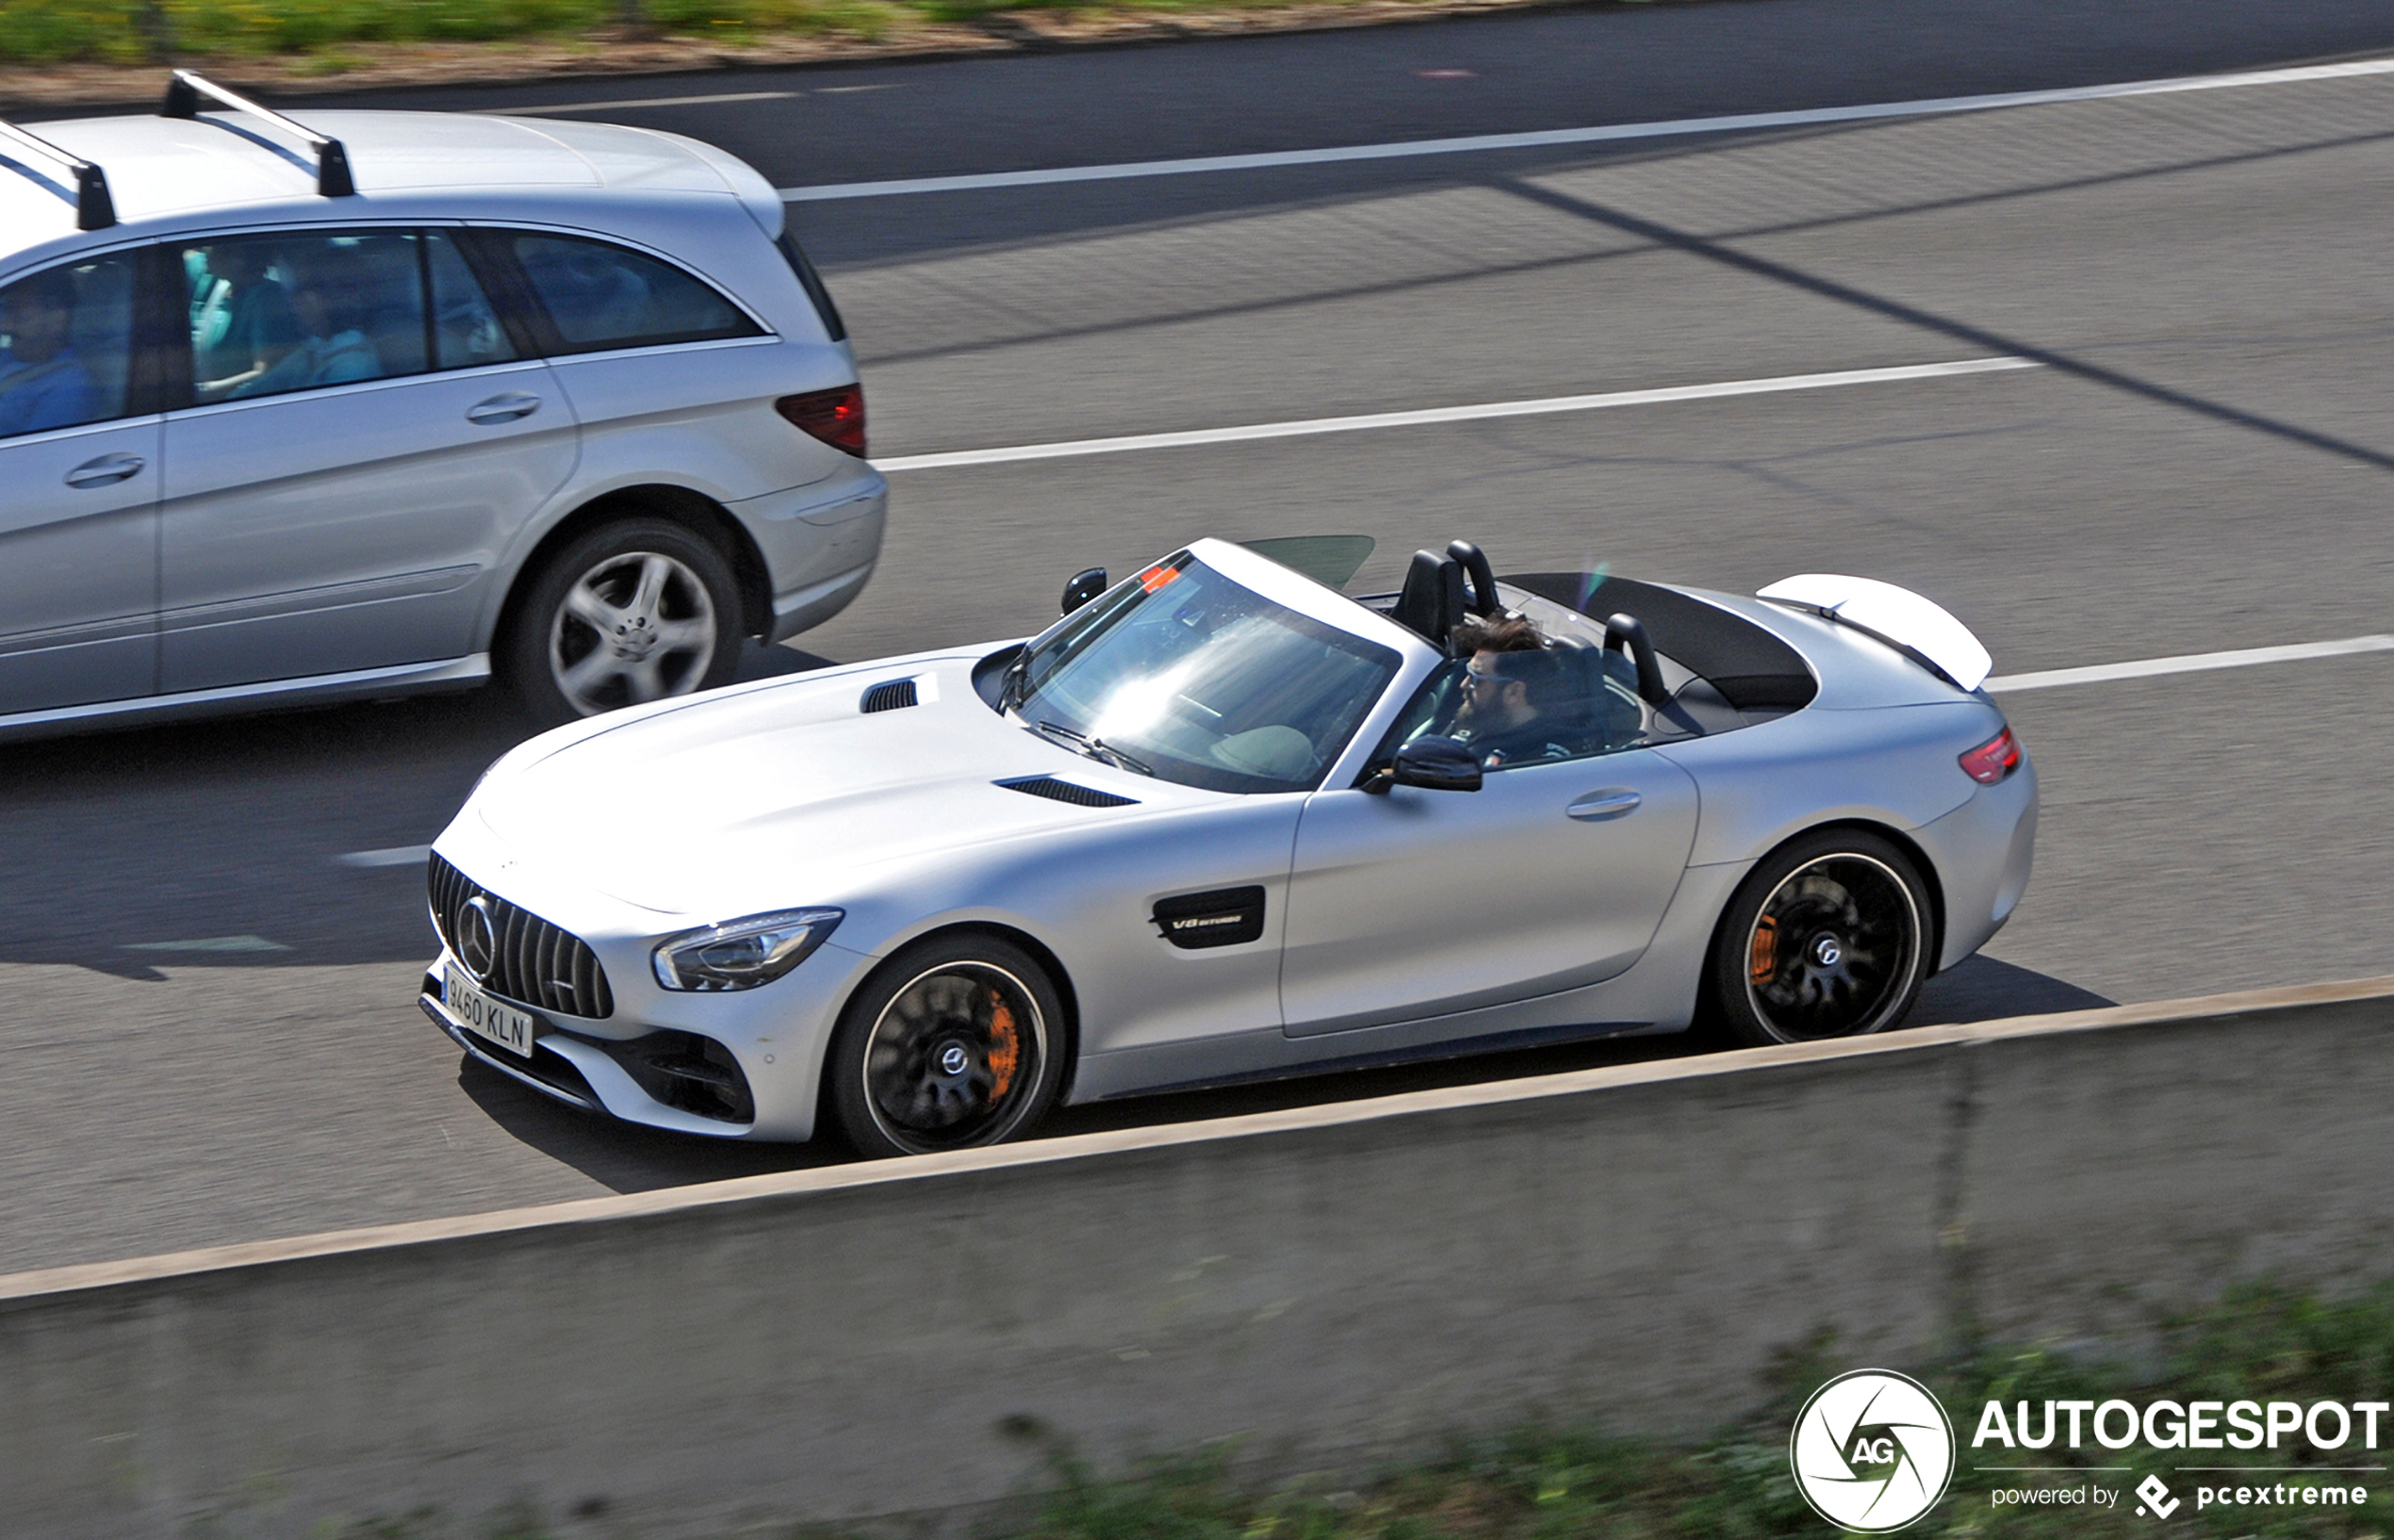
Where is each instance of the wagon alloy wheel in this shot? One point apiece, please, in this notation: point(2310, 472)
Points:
point(946, 1049)
point(628, 613)
point(637, 628)
point(1827, 939)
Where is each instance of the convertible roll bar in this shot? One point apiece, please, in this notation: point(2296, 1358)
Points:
point(1627, 633)
point(333, 180)
point(94, 208)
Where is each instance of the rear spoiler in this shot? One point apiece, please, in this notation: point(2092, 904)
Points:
point(1920, 629)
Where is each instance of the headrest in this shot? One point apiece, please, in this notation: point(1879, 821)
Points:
point(1432, 601)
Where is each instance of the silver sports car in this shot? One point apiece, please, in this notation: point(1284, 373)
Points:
point(1222, 821)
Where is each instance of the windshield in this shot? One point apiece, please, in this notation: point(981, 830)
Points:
point(1186, 676)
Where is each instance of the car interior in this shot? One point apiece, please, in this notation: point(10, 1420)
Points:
point(1641, 664)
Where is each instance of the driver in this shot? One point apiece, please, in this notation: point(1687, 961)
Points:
point(1511, 680)
point(42, 384)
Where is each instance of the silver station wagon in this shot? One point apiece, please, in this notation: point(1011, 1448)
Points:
point(391, 401)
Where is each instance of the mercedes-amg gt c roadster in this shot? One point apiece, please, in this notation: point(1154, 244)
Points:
point(1222, 821)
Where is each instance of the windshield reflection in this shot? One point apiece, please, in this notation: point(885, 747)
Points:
point(1190, 676)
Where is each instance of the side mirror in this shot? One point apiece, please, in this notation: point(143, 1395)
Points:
point(1084, 587)
point(1437, 764)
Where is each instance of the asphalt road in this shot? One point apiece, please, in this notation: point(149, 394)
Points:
point(209, 1012)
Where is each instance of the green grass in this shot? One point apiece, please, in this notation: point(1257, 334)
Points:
point(1585, 1483)
point(138, 31)
point(1545, 1484)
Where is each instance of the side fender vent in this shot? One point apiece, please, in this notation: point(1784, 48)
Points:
point(1065, 791)
point(889, 695)
point(1225, 917)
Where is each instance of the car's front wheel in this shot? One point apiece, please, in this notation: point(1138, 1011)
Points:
point(1827, 938)
point(953, 1043)
point(629, 613)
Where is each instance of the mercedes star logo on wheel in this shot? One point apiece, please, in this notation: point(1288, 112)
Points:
point(477, 940)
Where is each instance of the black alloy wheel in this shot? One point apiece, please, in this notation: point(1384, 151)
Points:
point(1827, 937)
point(951, 1045)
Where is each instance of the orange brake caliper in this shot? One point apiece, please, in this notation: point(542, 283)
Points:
point(1005, 1048)
point(1763, 961)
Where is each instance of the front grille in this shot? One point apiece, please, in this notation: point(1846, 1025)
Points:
point(889, 695)
point(534, 962)
point(1065, 791)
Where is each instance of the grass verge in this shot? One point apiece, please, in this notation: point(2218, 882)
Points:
point(319, 36)
point(2259, 1343)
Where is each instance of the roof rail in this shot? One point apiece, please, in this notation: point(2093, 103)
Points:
point(94, 208)
point(183, 93)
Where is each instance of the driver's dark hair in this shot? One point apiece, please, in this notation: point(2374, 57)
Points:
point(1507, 630)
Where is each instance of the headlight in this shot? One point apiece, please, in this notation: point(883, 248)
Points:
point(743, 954)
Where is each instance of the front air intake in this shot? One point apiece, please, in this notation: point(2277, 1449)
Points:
point(1065, 791)
point(889, 695)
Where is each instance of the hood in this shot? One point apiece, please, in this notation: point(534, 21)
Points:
point(785, 793)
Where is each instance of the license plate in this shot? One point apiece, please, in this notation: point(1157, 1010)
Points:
point(484, 1017)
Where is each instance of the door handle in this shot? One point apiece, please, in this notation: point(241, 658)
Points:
point(503, 409)
point(1613, 802)
point(107, 471)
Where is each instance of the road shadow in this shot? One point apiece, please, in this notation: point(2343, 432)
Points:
point(220, 843)
point(621, 1156)
point(1983, 989)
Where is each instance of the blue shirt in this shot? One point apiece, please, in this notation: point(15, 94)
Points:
point(55, 393)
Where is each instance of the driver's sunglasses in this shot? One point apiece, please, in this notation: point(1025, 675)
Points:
point(1472, 677)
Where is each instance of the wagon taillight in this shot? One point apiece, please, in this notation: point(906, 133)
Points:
point(835, 415)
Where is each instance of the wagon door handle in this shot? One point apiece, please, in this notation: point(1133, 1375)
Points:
point(1613, 802)
point(107, 471)
point(503, 409)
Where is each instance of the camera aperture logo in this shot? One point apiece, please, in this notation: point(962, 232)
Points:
point(1872, 1451)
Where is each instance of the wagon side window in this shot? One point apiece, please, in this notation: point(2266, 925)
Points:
point(599, 295)
point(66, 337)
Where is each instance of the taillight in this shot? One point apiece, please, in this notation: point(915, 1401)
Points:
point(1992, 761)
point(835, 415)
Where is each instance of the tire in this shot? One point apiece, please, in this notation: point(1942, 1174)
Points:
point(630, 612)
point(952, 1045)
point(1828, 936)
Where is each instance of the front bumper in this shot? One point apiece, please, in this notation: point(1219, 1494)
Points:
point(750, 1076)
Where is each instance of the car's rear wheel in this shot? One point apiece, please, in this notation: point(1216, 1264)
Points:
point(1827, 938)
point(952, 1045)
point(629, 613)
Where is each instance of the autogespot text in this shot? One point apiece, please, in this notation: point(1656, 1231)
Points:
point(2191, 1425)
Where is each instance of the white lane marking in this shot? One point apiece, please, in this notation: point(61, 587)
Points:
point(210, 944)
point(398, 855)
point(630, 102)
point(1477, 143)
point(2191, 662)
point(1452, 413)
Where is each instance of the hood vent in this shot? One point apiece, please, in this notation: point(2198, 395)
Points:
point(889, 695)
point(1065, 791)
